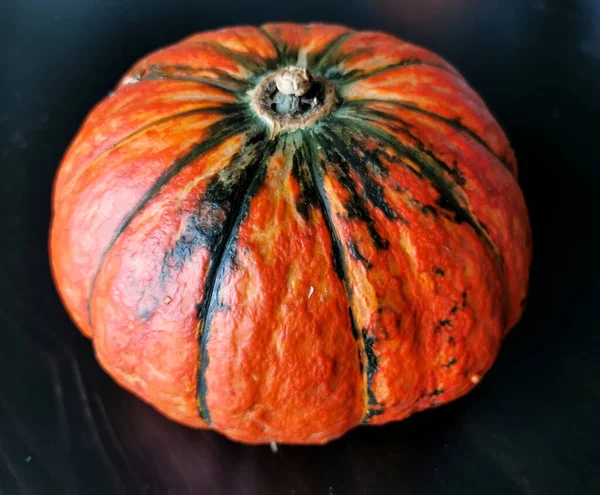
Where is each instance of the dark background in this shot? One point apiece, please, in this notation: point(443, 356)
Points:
point(532, 427)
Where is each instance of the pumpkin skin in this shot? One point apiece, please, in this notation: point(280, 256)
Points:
point(288, 286)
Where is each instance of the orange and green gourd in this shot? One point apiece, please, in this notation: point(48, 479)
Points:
point(283, 232)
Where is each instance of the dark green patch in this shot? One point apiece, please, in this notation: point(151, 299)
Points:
point(355, 253)
point(428, 210)
point(223, 260)
point(355, 333)
point(438, 271)
point(452, 362)
point(454, 309)
point(308, 197)
point(207, 227)
point(355, 204)
point(337, 253)
point(401, 126)
point(326, 57)
point(372, 362)
point(454, 123)
point(372, 412)
point(459, 214)
point(375, 408)
point(236, 122)
point(442, 323)
point(450, 340)
point(355, 75)
point(144, 315)
point(285, 55)
point(436, 392)
point(222, 80)
point(450, 198)
point(317, 174)
point(373, 191)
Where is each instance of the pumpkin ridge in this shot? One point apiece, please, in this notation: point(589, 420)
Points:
point(339, 265)
point(154, 74)
point(454, 123)
point(223, 258)
point(378, 116)
point(285, 56)
point(248, 63)
point(322, 58)
point(207, 226)
point(355, 205)
point(273, 42)
point(223, 108)
point(218, 132)
point(355, 75)
point(448, 198)
point(373, 192)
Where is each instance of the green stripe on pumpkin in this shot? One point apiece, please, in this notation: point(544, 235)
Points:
point(223, 258)
point(373, 407)
point(217, 133)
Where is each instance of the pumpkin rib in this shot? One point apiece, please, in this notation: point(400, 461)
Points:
point(286, 56)
point(218, 132)
point(214, 278)
point(452, 201)
point(404, 128)
point(340, 269)
point(358, 75)
point(273, 42)
point(445, 190)
point(371, 191)
point(214, 83)
point(328, 51)
point(444, 187)
point(247, 63)
point(122, 142)
point(454, 123)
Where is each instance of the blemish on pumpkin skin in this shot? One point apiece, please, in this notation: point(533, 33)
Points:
point(438, 271)
point(442, 323)
point(144, 315)
point(450, 363)
point(355, 253)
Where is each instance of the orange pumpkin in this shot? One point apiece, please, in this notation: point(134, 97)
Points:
point(284, 232)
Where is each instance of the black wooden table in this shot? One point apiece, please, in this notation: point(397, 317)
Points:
point(532, 426)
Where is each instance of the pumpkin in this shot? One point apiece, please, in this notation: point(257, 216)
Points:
point(283, 232)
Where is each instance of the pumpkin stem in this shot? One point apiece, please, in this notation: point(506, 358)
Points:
point(292, 99)
point(293, 81)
